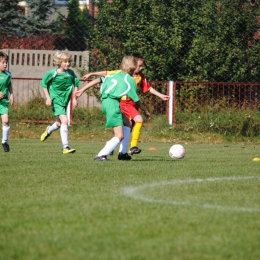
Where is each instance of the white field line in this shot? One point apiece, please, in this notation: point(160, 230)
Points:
point(135, 192)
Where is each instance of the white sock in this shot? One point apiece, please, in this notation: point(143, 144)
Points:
point(110, 146)
point(125, 141)
point(64, 134)
point(5, 133)
point(52, 128)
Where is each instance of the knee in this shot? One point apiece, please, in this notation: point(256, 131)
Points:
point(120, 136)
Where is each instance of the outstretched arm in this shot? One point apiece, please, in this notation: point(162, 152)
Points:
point(89, 85)
point(158, 94)
point(98, 73)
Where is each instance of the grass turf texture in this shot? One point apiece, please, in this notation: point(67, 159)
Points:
point(56, 206)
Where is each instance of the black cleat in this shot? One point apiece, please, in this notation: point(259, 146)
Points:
point(111, 153)
point(124, 157)
point(101, 158)
point(6, 147)
point(134, 150)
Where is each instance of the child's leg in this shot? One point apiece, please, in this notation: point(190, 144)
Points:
point(136, 132)
point(5, 128)
point(113, 142)
point(55, 126)
point(64, 132)
point(50, 128)
point(124, 142)
point(5, 132)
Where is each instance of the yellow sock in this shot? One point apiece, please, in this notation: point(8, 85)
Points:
point(136, 134)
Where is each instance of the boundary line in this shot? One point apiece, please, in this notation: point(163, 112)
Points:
point(135, 192)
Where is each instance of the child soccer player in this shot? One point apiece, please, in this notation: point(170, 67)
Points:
point(58, 86)
point(114, 87)
point(128, 107)
point(5, 91)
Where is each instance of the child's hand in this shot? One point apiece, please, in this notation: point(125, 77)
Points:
point(78, 93)
point(85, 77)
point(165, 98)
point(48, 102)
point(147, 114)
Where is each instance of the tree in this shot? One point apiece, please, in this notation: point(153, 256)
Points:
point(38, 20)
point(12, 21)
point(78, 27)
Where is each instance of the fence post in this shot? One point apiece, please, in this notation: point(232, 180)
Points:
point(170, 117)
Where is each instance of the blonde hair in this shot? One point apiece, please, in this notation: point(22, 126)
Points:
point(61, 56)
point(129, 64)
point(3, 56)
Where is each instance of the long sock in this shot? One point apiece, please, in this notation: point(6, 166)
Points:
point(64, 134)
point(124, 142)
point(110, 146)
point(5, 133)
point(52, 128)
point(136, 134)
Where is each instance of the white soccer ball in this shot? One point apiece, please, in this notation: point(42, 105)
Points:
point(177, 151)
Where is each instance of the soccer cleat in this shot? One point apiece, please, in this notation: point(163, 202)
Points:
point(134, 150)
point(124, 157)
point(256, 160)
point(67, 150)
point(6, 147)
point(101, 158)
point(45, 135)
point(111, 153)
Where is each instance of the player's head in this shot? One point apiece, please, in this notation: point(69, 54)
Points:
point(129, 64)
point(3, 61)
point(140, 62)
point(3, 56)
point(61, 56)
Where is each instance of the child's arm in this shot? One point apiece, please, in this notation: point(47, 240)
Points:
point(98, 73)
point(89, 85)
point(158, 94)
point(74, 98)
point(140, 105)
point(11, 96)
point(48, 98)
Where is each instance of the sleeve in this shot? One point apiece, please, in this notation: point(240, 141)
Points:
point(145, 85)
point(45, 80)
point(76, 81)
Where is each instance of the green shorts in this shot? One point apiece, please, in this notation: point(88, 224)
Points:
point(58, 109)
point(4, 107)
point(111, 109)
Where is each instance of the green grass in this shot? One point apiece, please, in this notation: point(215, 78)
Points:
point(59, 207)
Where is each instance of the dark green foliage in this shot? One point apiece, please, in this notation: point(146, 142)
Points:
point(181, 40)
point(12, 20)
point(38, 19)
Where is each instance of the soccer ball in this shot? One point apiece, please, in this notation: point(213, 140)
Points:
point(177, 151)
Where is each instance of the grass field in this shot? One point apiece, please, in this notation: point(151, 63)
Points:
point(59, 207)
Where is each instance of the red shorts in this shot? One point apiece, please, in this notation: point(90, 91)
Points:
point(129, 109)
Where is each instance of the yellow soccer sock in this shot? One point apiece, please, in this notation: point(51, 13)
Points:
point(136, 134)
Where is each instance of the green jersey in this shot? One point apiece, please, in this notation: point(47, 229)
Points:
point(60, 85)
point(117, 85)
point(5, 83)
